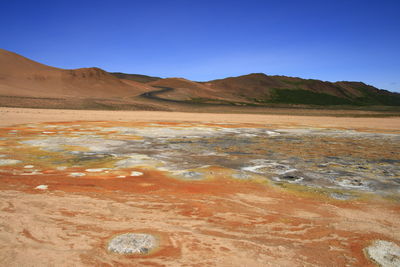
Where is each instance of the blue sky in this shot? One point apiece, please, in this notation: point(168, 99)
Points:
point(203, 40)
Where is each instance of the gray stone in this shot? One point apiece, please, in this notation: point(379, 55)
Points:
point(132, 243)
point(385, 253)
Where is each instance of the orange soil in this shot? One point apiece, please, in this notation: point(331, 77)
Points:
point(215, 222)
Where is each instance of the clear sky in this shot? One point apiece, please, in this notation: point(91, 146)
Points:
point(332, 40)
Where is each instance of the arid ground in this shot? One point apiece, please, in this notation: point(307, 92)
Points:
point(211, 189)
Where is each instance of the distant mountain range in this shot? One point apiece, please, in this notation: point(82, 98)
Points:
point(22, 79)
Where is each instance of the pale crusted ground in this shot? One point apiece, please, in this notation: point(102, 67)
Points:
point(53, 228)
point(220, 222)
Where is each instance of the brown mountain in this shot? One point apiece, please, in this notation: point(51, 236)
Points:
point(261, 89)
point(20, 76)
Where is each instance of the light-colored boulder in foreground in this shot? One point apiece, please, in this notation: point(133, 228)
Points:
point(385, 253)
point(131, 243)
point(42, 187)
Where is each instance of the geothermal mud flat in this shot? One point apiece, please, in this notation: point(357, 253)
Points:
point(198, 194)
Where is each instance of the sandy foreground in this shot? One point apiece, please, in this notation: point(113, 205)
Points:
point(217, 221)
point(13, 116)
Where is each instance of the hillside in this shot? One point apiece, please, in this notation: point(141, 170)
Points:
point(135, 77)
point(259, 88)
point(20, 76)
point(186, 90)
point(263, 90)
point(26, 83)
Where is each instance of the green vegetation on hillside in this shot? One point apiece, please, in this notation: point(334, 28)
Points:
point(135, 77)
point(377, 97)
point(288, 96)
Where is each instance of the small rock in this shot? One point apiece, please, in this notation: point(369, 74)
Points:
point(42, 187)
point(61, 168)
point(96, 170)
point(28, 166)
point(131, 243)
point(33, 172)
point(134, 173)
point(76, 174)
point(385, 253)
point(272, 133)
point(352, 183)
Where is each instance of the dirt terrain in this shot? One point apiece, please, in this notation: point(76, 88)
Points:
point(212, 189)
point(12, 116)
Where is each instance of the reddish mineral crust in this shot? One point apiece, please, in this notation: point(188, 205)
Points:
point(207, 215)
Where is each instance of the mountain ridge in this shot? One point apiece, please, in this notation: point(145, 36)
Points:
point(22, 77)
